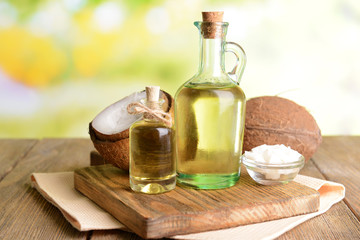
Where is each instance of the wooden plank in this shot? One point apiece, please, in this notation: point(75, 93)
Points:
point(339, 160)
point(183, 211)
point(25, 214)
point(325, 226)
point(12, 151)
point(337, 223)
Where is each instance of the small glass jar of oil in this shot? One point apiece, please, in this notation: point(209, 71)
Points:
point(152, 150)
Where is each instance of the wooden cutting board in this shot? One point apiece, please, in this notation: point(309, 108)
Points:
point(185, 210)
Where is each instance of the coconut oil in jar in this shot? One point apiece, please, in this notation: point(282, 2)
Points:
point(210, 115)
point(152, 155)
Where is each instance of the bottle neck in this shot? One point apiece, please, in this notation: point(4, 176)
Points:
point(211, 56)
point(212, 43)
point(153, 106)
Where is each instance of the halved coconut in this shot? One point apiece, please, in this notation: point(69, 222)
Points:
point(109, 131)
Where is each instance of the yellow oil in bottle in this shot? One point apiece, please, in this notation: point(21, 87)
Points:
point(210, 126)
point(152, 164)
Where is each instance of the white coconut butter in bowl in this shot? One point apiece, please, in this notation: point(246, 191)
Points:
point(273, 164)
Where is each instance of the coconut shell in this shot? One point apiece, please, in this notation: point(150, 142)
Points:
point(113, 152)
point(115, 148)
point(275, 120)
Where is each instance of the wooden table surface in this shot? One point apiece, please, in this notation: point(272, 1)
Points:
point(25, 214)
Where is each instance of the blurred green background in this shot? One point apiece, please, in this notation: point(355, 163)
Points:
point(63, 61)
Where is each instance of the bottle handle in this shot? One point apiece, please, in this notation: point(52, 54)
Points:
point(240, 55)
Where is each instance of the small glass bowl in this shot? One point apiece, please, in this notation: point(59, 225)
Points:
point(272, 174)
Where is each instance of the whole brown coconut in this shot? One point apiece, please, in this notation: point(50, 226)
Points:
point(114, 148)
point(274, 120)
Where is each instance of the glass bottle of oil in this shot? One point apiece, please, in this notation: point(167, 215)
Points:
point(210, 113)
point(152, 151)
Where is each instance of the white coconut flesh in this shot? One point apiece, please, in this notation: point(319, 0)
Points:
point(115, 118)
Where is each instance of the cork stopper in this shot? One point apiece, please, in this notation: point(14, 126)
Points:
point(152, 96)
point(152, 93)
point(212, 16)
point(211, 26)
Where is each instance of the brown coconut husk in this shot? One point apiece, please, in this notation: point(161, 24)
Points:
point(275, 120)
point(114, 148)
